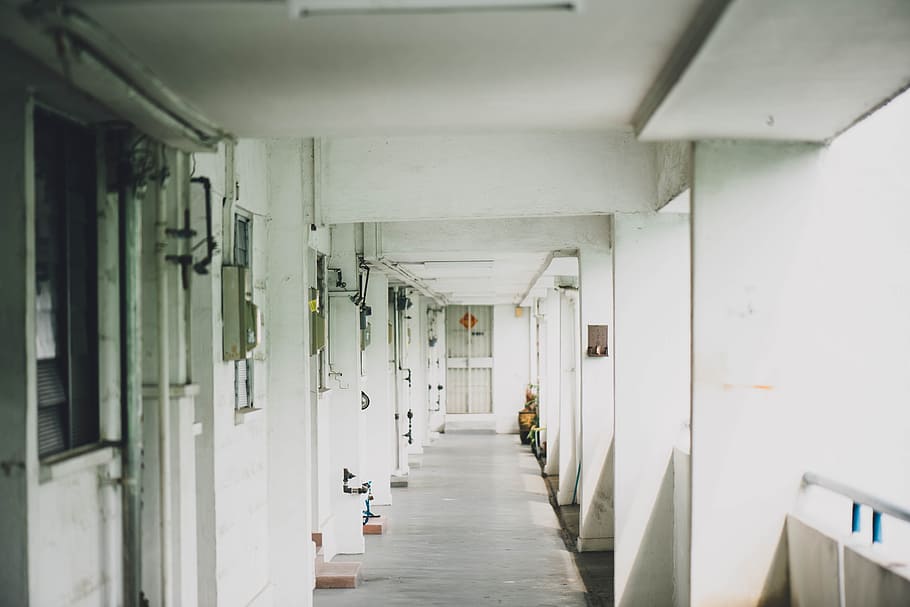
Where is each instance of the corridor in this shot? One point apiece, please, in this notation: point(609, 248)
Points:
point(473, 528)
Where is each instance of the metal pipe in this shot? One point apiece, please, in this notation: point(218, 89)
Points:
point(396, 338)
point(164, 390)
point(131, 378)
point(878, 505)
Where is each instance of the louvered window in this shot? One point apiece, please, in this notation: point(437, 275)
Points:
point(66, 309)
point(243, 369)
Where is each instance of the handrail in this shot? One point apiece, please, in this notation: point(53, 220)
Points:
point(860, 497)
point(879, 506)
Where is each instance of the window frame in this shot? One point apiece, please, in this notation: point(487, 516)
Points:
point(67, 194)
point(242, 217)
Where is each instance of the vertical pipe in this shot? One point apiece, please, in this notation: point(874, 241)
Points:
point(131, 369)
point(164, 389)
point(876, 527)
point(856, 518)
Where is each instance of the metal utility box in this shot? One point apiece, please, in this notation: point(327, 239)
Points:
point(242, 321)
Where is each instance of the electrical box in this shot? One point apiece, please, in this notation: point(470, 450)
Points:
point(242, 328)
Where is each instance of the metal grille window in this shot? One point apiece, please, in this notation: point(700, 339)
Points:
point(243, 254)
point(66, 285)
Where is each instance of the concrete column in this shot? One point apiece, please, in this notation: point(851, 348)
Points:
point(595, 490)
point(380, 416)
point(510, 367)
point(651, 291)
point(550, 392)
point(401, 388)
point(288, 344)
point(415, 319)
point(437, 375)
point(347, 420)
point(18, 408)
point(569, 405)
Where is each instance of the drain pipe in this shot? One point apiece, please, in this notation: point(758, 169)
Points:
point(131, 378)
point(397, 361)
point(164, 388)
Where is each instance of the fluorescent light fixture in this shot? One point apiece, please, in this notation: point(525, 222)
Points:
point(88, 46)
point(313, 8)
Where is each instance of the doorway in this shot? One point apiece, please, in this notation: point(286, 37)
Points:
point(469, 359)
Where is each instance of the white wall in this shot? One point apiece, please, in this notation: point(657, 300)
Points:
point(379, 416)
point(470, 176)
point(289, 416)
point(568, 357)
point(347, 422)
point(595, 490)
point(550, 388)
point(232, 451)
point(511, 374)
point(800, 337)
point(651, 317)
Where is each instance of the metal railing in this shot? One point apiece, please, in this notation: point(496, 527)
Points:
point(861, 498)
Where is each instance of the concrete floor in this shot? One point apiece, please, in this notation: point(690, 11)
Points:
point(474, 527)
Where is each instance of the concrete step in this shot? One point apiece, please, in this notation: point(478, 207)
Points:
point(338, 575)
point(317, 537)
point(375, 526)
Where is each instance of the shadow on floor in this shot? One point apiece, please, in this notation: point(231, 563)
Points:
point(595, 568)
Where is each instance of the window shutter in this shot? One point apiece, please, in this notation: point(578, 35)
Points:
point(241, 384)
point(51, 408)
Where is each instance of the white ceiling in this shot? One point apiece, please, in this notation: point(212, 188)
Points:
point(257, 72)
point(492, 261)
point(784, 70)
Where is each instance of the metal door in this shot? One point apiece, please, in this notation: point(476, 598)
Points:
point(469, 359)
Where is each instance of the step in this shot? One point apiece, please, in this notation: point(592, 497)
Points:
point(317, 537)
point(320, 557)
point(375, 526)
point(338, 575)
point(399, 482)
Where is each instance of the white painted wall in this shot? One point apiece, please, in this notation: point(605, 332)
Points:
point(569, 355)
point(595, 490)
point(800, 334)
point(469, 176)
point(291, 552)
point(550, 388)
point(346, 420)
point(511, 374)
point(380, 415)
point(651, 336)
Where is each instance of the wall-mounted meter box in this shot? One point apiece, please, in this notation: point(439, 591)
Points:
point(242, 320)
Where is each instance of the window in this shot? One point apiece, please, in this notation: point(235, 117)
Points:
point(66, 285)
point(243, 255)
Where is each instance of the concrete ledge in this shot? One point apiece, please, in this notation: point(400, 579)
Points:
point(375, 526)
point(595, 544)
point(338, 575)
point(76, 461)
point(399, 482)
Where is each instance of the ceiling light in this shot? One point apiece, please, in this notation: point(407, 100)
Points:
point(312, 8)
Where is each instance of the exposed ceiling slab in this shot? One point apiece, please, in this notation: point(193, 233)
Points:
point(490, 175)
point(485, 261)
point(780, 70)
point(260, 73)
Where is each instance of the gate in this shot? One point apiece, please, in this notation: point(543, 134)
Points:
point(469, 359)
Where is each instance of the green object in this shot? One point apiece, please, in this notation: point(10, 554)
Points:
point(131, 302)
